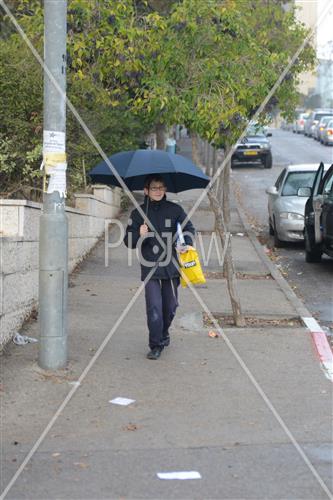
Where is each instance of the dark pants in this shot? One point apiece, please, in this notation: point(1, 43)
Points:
point(161, 304)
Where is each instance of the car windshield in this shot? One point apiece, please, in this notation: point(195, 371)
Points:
point(325, 119)
point(296, 180)
point(319, 116)
point(255, 130)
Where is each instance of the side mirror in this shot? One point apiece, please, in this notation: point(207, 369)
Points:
point(271, 190)
point(304, 191)
point(269, 134)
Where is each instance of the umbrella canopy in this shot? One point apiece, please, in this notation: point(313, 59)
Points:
point(178, 172)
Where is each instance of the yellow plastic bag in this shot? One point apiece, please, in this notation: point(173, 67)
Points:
point(190, 268)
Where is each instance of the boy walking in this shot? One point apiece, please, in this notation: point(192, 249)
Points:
point(161, 287)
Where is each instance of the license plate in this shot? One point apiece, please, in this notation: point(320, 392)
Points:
point(250, 153)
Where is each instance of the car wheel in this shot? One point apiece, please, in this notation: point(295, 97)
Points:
point(313, 252)
point(268, 162)
point(277, 242)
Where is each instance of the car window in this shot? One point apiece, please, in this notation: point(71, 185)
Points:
point(319, 116)
point(330, 124)
point(296, 180)
point(325, 120)
point(279, 179)
point(318, 179)
point(330, 194)
point(328, 185)
point(255, 130)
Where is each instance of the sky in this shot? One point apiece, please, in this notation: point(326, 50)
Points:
point(325, 30)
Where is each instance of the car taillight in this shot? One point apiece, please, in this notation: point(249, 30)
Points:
point(330, 131)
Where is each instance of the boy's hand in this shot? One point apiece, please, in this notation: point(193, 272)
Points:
point(143, 229)
point(183, 248)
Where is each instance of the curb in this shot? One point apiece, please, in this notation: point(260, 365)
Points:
point(319, 338)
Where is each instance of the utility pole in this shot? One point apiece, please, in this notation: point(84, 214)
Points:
point(53, 235)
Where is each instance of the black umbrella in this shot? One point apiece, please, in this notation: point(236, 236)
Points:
point(178, 172)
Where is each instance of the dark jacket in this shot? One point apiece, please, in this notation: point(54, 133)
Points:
point(163, 216)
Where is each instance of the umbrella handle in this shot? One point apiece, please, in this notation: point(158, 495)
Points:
point(146, 213)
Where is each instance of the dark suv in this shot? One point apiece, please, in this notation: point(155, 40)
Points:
point(318, 216)
point(254, 148)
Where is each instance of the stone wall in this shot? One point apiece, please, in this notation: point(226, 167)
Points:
point(19, 230)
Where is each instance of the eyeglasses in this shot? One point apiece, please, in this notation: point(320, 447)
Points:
point(154, 189)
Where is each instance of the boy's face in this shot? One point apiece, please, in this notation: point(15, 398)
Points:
point(156, 190)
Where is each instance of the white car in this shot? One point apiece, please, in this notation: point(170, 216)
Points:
point(286, 202)
point(299, 122)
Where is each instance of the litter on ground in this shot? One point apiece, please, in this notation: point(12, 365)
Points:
point(179, 475)
point(122, 401)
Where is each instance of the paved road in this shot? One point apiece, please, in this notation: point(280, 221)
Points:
point(296, 148)
point(312, 282)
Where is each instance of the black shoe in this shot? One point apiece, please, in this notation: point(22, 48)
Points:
point(155, 353)
point(166, 341)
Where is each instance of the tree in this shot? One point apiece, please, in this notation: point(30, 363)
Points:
point(215, 65)
point(108, 115)
point(206, 64)
point(21, 91)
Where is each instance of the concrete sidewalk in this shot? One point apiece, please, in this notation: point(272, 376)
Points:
point(200, 407)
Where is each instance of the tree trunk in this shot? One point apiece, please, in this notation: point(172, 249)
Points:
point(160, 135)
point(203, 152)
point(226, 189)
point(208, 158)
point(229, 265)
point(195, 149)
point(214, 161)
point(232, 288)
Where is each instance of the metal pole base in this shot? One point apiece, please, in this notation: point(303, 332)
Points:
point(53, 283)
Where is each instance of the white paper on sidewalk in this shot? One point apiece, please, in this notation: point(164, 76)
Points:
point(122, 401)
point(192, 474)
point(23, 339)
point(74, 382)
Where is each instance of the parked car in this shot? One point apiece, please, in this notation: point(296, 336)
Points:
point(286, 125)
point(299, 122)
point(254, 147)
point(327, 134)
point(321, 125)
point(318, 224)
point(314, 118)
point(286, 202)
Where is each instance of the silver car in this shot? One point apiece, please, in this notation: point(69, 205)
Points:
point(327, 135)
point(320, 127)
point(286, 202)
point(299, 122)
point(313, 119)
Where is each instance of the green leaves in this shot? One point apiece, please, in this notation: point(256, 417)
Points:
point(133, 63)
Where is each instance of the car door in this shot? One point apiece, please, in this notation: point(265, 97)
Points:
point(272, 197)
point(315, 202)
point(327, 208)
